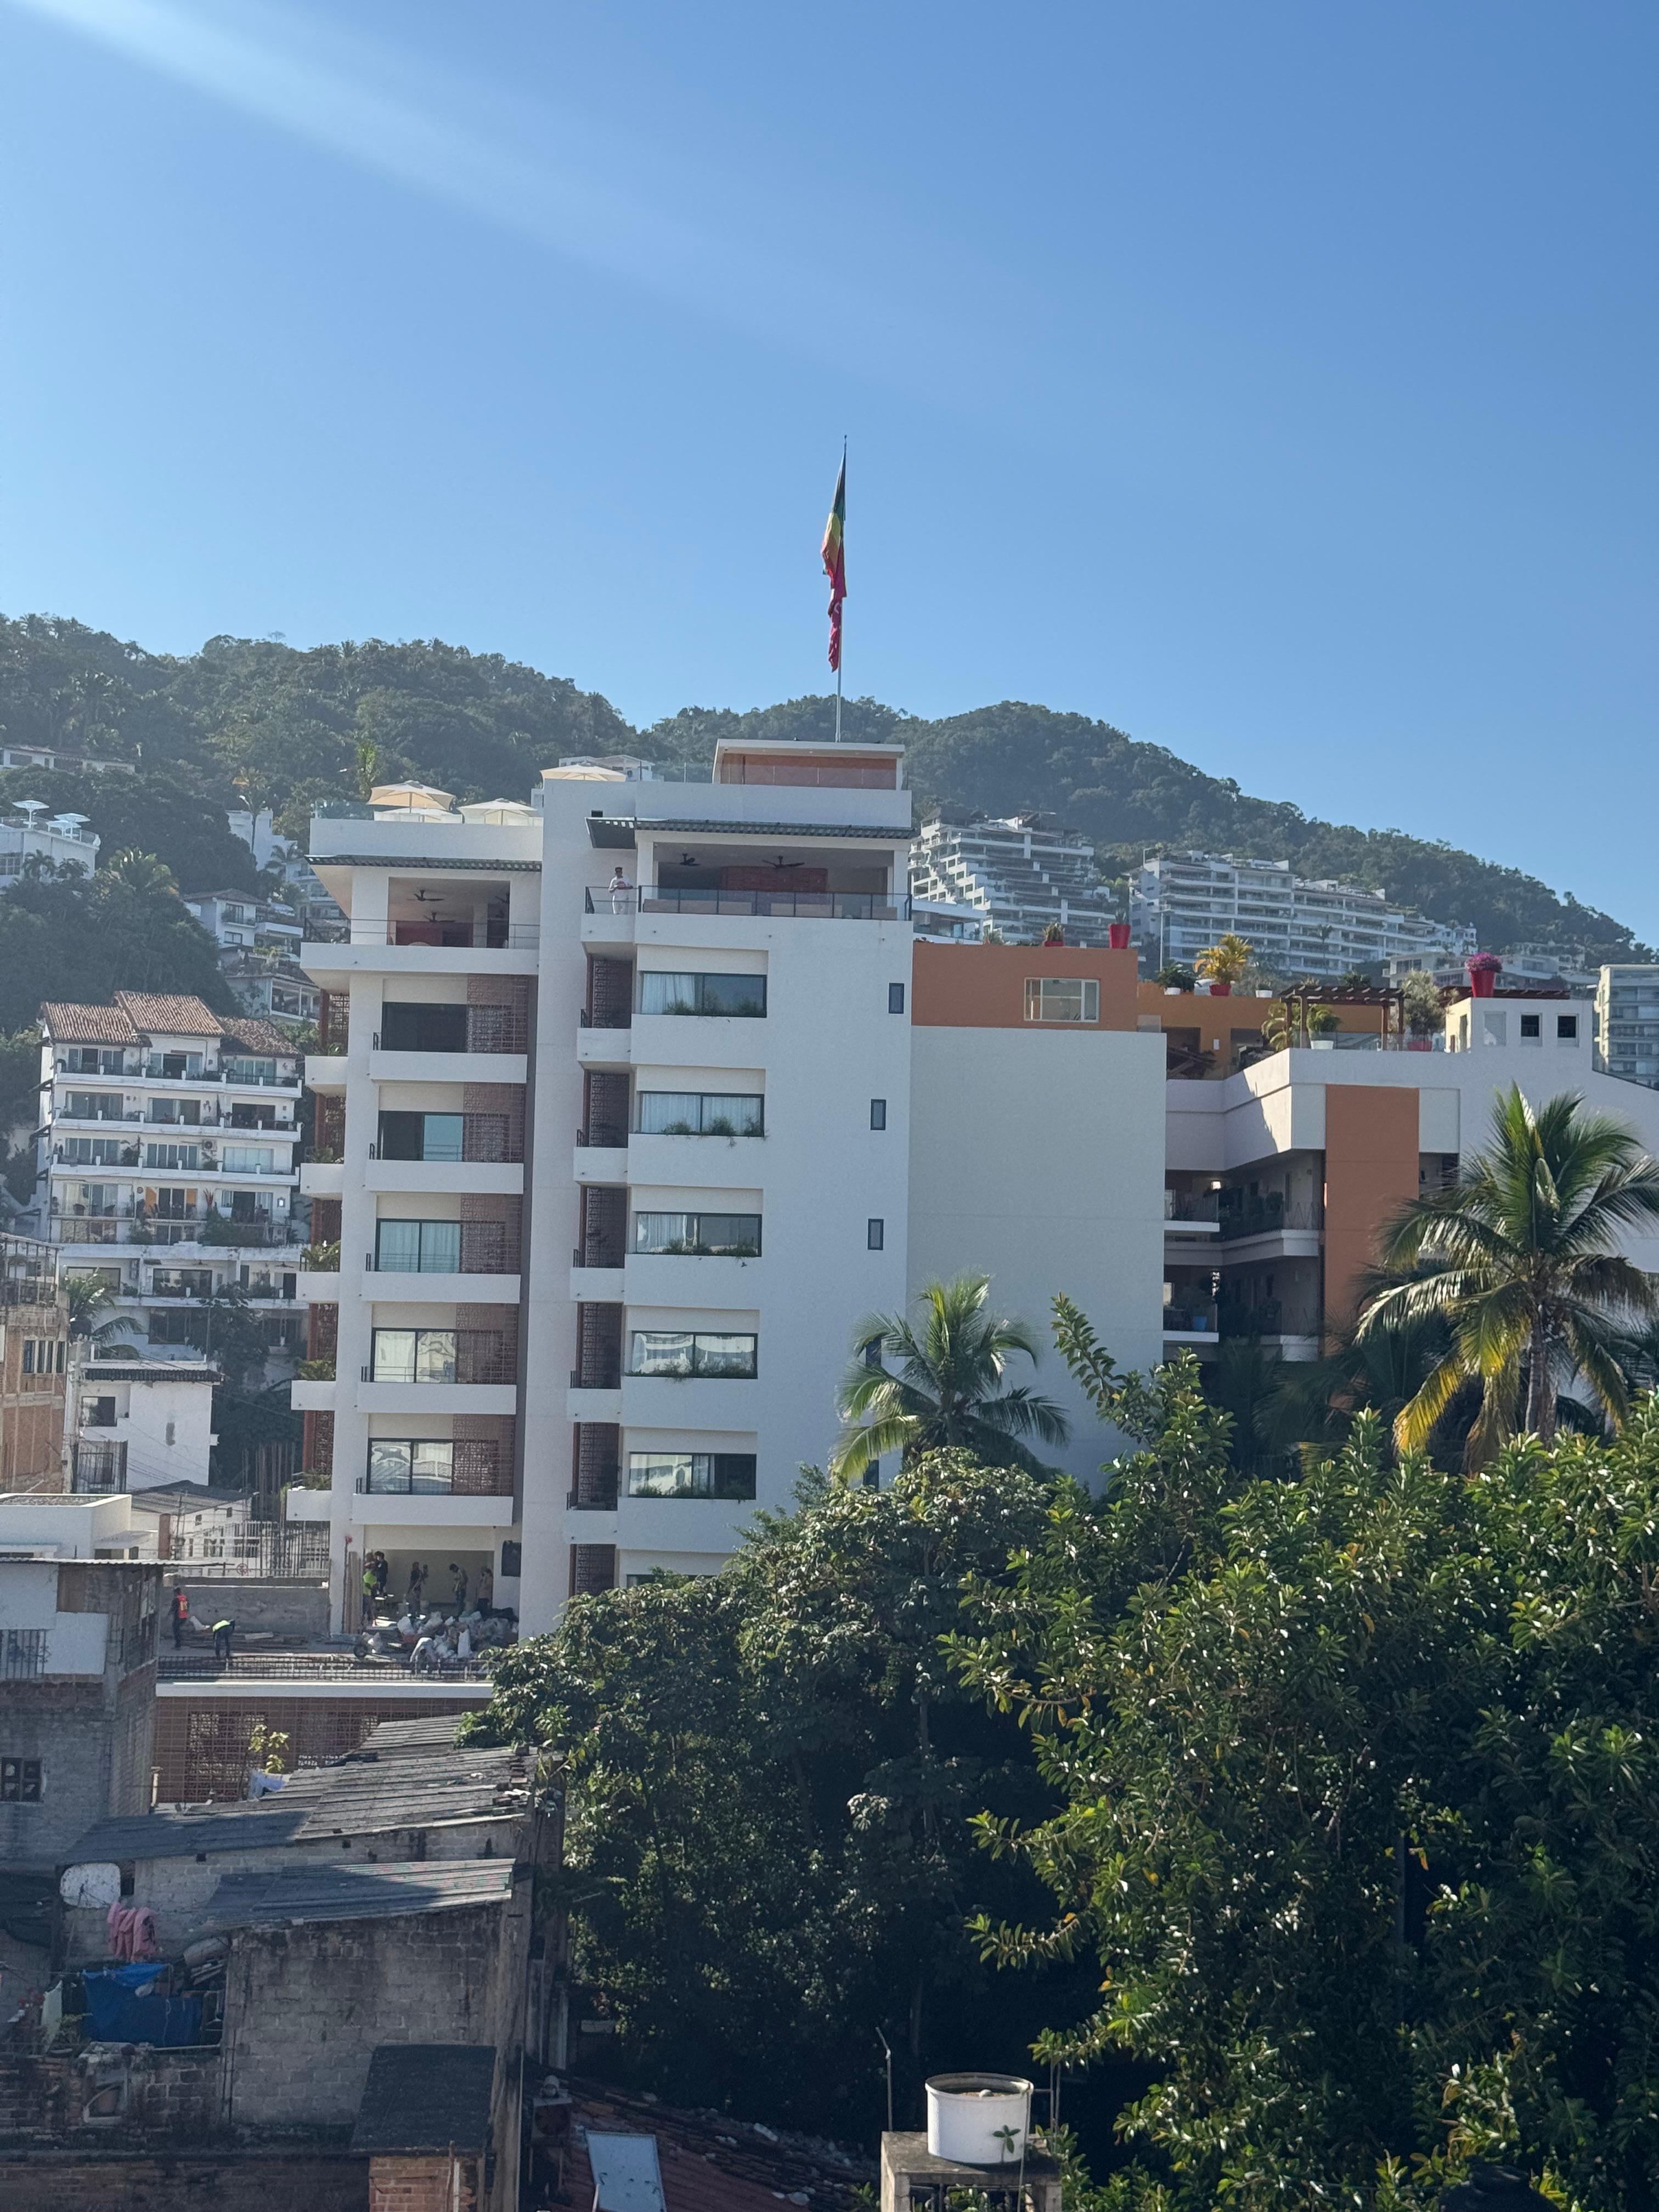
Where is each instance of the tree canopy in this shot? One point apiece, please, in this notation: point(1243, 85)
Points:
point(85, 937)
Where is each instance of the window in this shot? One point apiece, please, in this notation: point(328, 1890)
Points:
point(57, 1365)
point(877, 1113)
point(92, 1153)
point(247, 1159)
point(414, 1355)
point(1061, 998)
point(417, 1248)
point(172, 1156)
point(678, 1352)
point(730, 1235)
point(28, 1355)
point(250, 1071)
point(1566, 1028)
point(895, 997)
point(1530, 1026)
point(424, 1466)
point(423, 1028)
point(172, 1432)
point(92, 1105)
point(183, 1112)
point(20, 1780)
point(875, 1233)
point(422, 1136)
point(661, 992)
point(702, 1113)
point(86, 1059)
point(690, 1475)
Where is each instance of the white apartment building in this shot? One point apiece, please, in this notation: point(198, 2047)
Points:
point(260, 941)
point(644, 1097)
point(1628, 1022)
point(143, 1424)
point(1017, 876)
point(30, 830)
point(166, 1164)
point(1181, 903)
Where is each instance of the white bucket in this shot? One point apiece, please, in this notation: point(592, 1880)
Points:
point(978, 2119)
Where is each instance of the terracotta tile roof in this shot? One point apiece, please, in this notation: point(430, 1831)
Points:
point(183, 1017)
point(253, 1035)
point(710, 2164)
point(75, 1024)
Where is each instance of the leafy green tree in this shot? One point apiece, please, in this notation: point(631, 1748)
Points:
point(1357, 1810)
point(85, 938)
point(950, 1390)
point(769, 1776)
point(1519, 1259)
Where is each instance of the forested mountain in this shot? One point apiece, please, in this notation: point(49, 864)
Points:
point(255, 718)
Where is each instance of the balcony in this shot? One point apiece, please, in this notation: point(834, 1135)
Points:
point(600, 901)
point(477, 1468)
point(1189, 1324)
point(426, 937)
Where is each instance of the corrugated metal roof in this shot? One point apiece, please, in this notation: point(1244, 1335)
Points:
point(426, 2097)
point(358, 1795)
point(705, 2164)
point(239, 1827)
point(340, 1892)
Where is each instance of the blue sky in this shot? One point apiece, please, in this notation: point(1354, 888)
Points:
point(1276, 382)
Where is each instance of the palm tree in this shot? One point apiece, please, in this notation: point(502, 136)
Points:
point(88, 1298)
point(1227, 960)
point(1519, 1259)
point(949, 1386)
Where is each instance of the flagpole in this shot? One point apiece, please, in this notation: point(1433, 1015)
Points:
point(842, 655)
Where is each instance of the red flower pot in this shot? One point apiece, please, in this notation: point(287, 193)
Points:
point(1117, 936)
point(1484, 969)
point(1221, 990)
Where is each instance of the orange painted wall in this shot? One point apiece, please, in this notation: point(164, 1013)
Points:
point(1187, 1010)
point(1370, 1169)
point(982, 987)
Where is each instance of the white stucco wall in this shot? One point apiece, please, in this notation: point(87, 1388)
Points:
point(1037, 1157)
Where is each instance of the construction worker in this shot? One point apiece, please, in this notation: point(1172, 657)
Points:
point(180, 1611)
point(222, 1633)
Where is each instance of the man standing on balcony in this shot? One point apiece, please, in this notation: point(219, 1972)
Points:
point(620, 887)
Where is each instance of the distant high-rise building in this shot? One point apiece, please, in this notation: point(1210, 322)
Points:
point(1628, 1022)
point(1298, 926)
point(1016, 875)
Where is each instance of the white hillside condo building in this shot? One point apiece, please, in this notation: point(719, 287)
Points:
point(31, 831)
point(1016, 875)
point(1297, 925)
point(166, 1166)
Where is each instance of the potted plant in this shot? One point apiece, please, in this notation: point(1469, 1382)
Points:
point(1224, 963)
point(1053, 934)
point(1117, 936)
point(1484, 969)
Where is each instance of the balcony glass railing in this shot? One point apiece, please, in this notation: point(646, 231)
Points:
point(1190, 1320)
point(499, 937)
point(804, 905)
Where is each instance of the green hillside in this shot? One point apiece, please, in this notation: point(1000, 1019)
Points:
point(257, 718)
